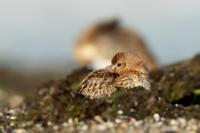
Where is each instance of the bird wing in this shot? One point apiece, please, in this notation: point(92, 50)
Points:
point(133, 80)
point(97, 84)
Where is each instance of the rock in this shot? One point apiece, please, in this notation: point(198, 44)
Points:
point(20, 131)
point(171, 83)
point(156, 117)
point(178, 82)
point(174, 95)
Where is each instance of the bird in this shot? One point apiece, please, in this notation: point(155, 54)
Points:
point(100, 42)
point(127, 70)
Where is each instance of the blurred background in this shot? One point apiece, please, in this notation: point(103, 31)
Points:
point(37, 37)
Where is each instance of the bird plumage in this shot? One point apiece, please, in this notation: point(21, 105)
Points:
point(97, 84)
point(131, 73)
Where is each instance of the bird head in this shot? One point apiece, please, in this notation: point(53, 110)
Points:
point(124, 62)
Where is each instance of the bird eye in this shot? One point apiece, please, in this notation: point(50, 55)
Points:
point(119, 65)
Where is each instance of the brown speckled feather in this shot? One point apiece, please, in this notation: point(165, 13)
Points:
point(98, 84)
point(132, 80)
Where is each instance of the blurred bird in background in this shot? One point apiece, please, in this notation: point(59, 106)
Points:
point(99, 43)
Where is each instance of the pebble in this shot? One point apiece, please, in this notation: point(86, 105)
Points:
point(20, 131)
point(13, 117)
point(118, 121)
point(153, 124)
point(70, 121)
point(138, 123)
point(39, 127)
point(132, 110)
point(120, 112)
point(12, 111)
point(98, 119)
point(156, 117)
point(110, 124)
point(171, 74)
point(12, 124)
point(182, 122)
point(49, 123)
point(101, 127)
point(162, 119)
point(55, 127)
point(65, 124)
point(169, 130)
point(173, 122)
point(1, 114)
point(192, 125)
point(159, 124)
point(124, 125)
point(84, 128)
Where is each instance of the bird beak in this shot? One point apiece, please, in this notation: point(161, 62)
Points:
point(109, 68)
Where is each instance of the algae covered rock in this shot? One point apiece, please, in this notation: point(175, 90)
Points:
point(175, 93)
point(58, 101)
point(179, 82)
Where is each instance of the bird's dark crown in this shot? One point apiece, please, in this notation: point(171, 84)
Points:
point(116, 58)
